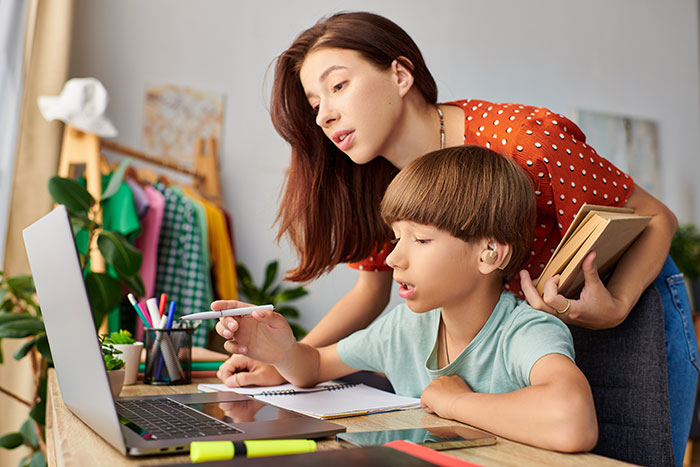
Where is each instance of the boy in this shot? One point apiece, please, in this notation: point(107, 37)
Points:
point(463, 218)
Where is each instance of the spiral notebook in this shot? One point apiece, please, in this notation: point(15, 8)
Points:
point(326, 400)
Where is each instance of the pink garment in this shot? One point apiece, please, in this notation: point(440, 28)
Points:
point(147, 242)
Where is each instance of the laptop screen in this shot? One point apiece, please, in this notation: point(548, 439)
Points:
point(70, 329)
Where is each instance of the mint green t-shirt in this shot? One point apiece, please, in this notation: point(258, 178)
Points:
point(402, 345)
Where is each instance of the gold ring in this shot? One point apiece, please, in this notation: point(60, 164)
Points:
point(568, 304)
point(235, 378)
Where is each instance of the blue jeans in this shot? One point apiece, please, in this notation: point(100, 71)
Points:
point(681, 354)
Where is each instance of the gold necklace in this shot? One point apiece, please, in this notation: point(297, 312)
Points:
point(442, 127)
point(444, 339)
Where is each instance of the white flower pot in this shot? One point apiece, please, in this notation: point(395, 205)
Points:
point(131, 354)
point(116, 381)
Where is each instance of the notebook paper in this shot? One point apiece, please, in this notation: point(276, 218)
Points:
point(326, 400)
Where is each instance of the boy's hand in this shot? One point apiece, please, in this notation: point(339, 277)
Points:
point(264, 335)
point(440, 395)
point(240, 370)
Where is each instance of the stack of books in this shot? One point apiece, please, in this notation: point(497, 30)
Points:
point(607, 230)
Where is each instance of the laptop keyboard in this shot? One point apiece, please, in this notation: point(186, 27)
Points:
point(167, 419)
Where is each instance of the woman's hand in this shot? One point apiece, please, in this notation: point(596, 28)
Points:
point(240, 370)
point(596, 308)
point(440, 395)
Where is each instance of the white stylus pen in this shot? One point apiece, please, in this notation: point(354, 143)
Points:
point(243, 311)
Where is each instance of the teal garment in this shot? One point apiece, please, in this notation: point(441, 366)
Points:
point(119, 211)
point(118, 215)
point(403, 345)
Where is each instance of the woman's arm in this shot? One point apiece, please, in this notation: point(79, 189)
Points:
point(599, 307)
point(556, 412)
point(356, 310)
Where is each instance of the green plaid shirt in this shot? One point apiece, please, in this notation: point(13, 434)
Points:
point(180, 272)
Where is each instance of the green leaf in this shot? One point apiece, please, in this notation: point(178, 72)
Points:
point(288, 311)
point(42, 344)
point(21, 328)
point(289, 295)
point(243, 273)
point(11, 440)
point(28, 431)
point(38, 412)
point(38, 460)
point(70, 193)
point(113, 363)
point(134, 284)
point(21, 285)
point(115, 181)
point(24, 350)
point(120, 337)
point(6, 317)
point(104, 293)
point(80, 221)
point(270, 275)
point(118, 252)
point(7, 305)
point(247, 287)
point(274, 291)
point(2, 357)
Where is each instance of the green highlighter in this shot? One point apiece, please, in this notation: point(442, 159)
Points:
point(203, 451)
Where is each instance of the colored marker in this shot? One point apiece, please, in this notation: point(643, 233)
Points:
point(243, 311)
point(161, 303)
point(134, 303)
point(152, 306)
point(168, 325)
point(171, 315)
point(203, 451)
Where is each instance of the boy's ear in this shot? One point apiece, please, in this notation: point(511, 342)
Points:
point(494, 256)
point(403, 74)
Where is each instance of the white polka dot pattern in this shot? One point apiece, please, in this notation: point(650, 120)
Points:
point(550, 148)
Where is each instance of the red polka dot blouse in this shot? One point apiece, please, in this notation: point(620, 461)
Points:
point(568, 172)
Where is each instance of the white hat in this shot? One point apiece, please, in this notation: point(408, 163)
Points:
point(82, 104)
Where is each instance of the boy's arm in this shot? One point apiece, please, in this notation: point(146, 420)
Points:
point(304, 365)
point(555, 412)
point(267, 337)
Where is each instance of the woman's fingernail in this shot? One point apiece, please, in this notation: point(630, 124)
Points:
point(230, 325)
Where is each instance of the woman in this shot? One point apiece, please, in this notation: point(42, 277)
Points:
point(355, 100)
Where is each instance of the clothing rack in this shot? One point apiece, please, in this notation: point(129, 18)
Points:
point(84, 149)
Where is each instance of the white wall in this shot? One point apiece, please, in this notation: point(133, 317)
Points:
point(630, 57)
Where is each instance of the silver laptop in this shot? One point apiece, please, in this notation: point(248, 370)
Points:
point(134, 426)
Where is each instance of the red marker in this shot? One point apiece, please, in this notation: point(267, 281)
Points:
point(161, 303)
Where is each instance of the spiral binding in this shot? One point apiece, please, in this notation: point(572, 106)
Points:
point(287, 392)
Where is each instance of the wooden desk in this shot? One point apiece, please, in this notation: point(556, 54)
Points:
point(72, 443)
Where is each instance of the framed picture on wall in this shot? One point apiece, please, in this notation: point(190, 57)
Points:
point(175, 116)
point(632, 144)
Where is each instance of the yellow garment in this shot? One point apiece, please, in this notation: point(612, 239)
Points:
point(221, 254)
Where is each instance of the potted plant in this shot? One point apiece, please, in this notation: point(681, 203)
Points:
point(131, 352)
point(272, 293)
point(685, 251)
point(20, 318)
point(20, 315)
point(114, 365)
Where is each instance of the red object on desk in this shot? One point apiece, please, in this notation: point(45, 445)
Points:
point(430, 455)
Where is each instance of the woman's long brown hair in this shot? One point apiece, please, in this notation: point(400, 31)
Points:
point(330, 206)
